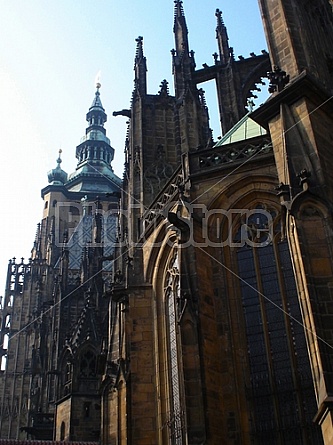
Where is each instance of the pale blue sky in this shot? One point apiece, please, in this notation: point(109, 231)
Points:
point(50, 53)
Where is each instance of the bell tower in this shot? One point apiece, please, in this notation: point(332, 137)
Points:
point(53, 321)
point(299, 117)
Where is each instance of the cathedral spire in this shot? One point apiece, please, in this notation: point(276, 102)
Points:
point(183, 59)
point(96, 118)
point(140, 68)
point(222, 38)
point(96, 115)
point(180, 29)
point(94, 153)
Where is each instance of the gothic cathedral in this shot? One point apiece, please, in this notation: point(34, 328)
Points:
point(190, 302)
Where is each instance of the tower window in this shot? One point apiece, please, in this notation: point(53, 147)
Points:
point(5, 341)
point(88, 365)
point(67, 376)
point(7, 321)
point(74, 210)
point(3, 362)
point(10, 301)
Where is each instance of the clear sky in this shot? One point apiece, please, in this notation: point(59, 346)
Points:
point(50, 53)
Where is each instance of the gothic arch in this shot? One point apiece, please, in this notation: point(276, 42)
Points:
point(87, 362)
point(166, 286)
point(62, 431)
point(305, 201)
point(254, 77)
point(158, 241)
point(241, 191)
point(237, 202)
point(261, 292)
point(67, 372)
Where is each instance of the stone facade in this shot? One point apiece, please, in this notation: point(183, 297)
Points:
point(191, 302)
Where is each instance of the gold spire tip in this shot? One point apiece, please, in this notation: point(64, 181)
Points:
point(98, 80)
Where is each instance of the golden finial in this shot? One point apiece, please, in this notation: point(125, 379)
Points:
point(98, 80)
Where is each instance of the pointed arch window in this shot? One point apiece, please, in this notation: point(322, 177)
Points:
point(3, 364)
point(8, 321)
point(172, 295)
point(67, 374)
point(68, 377)
point(88, 364)
point(10, 301)
point(279, 368)
point(5, 341)
point(62, 431)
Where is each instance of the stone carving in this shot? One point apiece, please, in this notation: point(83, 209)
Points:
point(158, 173)
point(278, 80)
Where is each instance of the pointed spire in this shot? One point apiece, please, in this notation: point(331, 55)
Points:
point(97, 103)
point(97, 99)
point(180, 29)
point(222, 38)
point(94, 153)
point(164, 88)
point(96, 115)
point(179, 10)
point(182, 58)
point(139, 49)
point(140, 68)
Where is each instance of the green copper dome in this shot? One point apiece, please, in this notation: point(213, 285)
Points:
point(57, 176)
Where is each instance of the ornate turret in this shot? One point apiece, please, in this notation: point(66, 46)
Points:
point(94, 153)
point(183, 59)
point(222, 38)
point(57, 176)
point(96, 117)
point(140, 68)
point(180, 28)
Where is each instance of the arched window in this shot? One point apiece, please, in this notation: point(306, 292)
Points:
point(62, 431)
point(74, 210)
point(88, 364)
point(8, 321)
point(3, 362)
point(5, 341)
point(67, 375)
point(278, 364)
point(172, 295)
point(10, 301)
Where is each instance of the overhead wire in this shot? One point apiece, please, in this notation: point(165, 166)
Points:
point(194, 200)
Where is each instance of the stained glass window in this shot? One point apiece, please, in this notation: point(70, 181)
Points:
point(282, 394)
point(172, 294)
